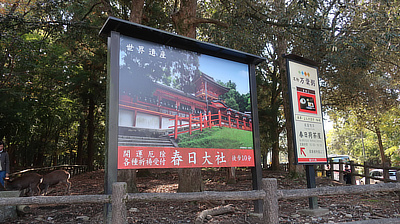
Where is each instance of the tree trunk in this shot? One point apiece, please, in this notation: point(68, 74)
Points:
point(184, 20)
point(274, 126)
point(54, 159)
point(136, 11)
point(39, 156)
point(231, 175)
point(79, 152)
point(128, 176)
point(281, 50)
point(382, 152)
point(90, 139)
point(190, 180)
point(275, 141)
point(55, 154)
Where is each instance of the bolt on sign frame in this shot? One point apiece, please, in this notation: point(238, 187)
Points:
point(166, 105)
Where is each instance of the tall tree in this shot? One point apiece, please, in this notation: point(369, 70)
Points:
point(39, 64)
point(185, 21)
point(362, 72)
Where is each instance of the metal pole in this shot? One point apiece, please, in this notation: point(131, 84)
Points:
point(111, 167)
point(310, 173)
point(256, 171)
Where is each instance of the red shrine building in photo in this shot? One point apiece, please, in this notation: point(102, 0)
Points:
point(174, 112)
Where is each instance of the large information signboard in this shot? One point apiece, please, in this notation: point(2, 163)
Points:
point(309, 138)
point(175, 102)
point(177, 108)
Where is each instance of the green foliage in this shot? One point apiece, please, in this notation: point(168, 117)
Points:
point(181, 68)
point(234, 99)
point(43, 79)
point(350, 137)
point(218, 138)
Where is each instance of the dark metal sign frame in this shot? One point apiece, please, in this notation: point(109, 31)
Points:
point(113, 29)
point(308, 128)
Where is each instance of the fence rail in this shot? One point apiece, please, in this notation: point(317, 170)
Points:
point(72, 169)
point(269, 194)
point(355, 168)
point(198, 196)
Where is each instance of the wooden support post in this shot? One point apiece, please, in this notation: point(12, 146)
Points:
point(237, 123)
point(219, 118)
point(331, 169)
point(353, 172)
point(271, 207)
point(229, 121)
point(341, 169)
point(398, 175)
point(201, 122)
point(385, 173)
point(118, 199)
point(209, 118)
point(398, 180)
point(190, 124)
point(366, 173)
point(134, 118)
point(176, 127)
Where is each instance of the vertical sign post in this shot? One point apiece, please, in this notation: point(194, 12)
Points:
point(308, 130)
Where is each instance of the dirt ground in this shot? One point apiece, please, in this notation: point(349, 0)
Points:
point(341, 208)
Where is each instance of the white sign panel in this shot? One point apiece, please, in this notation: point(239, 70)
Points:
point(309, 138)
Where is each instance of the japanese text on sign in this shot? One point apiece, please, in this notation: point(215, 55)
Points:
point(130, 157)
point(140, 49)
point(307, 114)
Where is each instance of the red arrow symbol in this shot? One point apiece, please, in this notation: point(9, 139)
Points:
point(302, 151)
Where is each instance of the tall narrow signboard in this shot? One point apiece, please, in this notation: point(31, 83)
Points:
point(308, 130)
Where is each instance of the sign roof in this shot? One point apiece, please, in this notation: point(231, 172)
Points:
point(166, 38)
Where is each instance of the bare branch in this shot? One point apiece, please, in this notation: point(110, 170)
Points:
point(213, 21)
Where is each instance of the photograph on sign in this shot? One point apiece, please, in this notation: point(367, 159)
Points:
point(180, 109)
point(306, 100)
point(309, 135)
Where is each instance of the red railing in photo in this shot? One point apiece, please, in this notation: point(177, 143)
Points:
point(202, 121)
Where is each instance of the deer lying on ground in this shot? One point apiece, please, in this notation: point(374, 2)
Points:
point(28, 181)
point(55, 177)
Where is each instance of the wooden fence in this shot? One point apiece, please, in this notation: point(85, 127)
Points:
point(72, 169)
point(270, 194)
point(354, 171)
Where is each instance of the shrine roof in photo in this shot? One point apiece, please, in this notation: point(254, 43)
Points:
point(210, 80)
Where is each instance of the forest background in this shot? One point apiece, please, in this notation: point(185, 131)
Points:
point(53, 70)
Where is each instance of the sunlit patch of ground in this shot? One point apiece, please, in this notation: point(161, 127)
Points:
point(163, 188)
